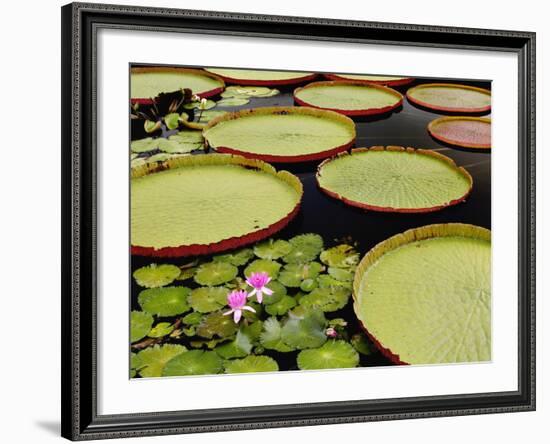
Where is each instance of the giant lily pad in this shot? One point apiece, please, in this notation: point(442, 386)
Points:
point(462, 131)
point(209, 203)
point(193, 362)
point(165, 301)
point(252, 364)
point(264, 77)
point(378, 80)
point(349, 98)
point(332, 354)
point(146, 83)
point(424, 296)
point(281, 134)
point(207, 299)
point(154, 275)
point(447, 97)
point(151, 361)
point(395, 179)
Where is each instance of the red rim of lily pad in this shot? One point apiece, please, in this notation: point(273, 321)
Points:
point(481, 109)
point(396, 82)
point(408, 150)
point(283, 110)
point(400, 239)
point(432, 129)
point(251, 82)
point(355, 112)
point(203, 95)
point(224, 244)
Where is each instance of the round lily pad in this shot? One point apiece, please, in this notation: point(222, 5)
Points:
point(279, 291)
point(327, 281)
point(306, 330)
point(332, 354)
point(240, 347)
point(447, 97)
point(281, 134)
point(155, 275)
point(215, 273)
point(144, 145)
point(252, 364)
point(193, 362)
point(208, 104)
point(263, 265)
point(233, 101)
point(207, 299)
point(327, 299)
point(395, 179)
point(341, 274)
point(293, 275)
point(151, 361)
point(161, 329)
point(378, 80)
point(190, 205)
point(165, 301)
point(282, 306)
point(146, 83)
point(424, 296)
point(261, 77)
point(340, 256)
point(349, 98)
point(305, 248)
point(237, 258)
point(208, 115)
point(272, 249)
point(216, 324)
point(270, 338)
point(462, 131)
point(140, 325)
point(360, 343)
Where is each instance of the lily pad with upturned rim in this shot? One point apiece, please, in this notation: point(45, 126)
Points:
point(281, 134)
point(451, 98)
point(349, 98)
point(395, 179)
point(152, 276)
point(193, 362)
point(164, 301)
point(424, 296)
point(183, 207)
point(332, 354)
point(261, 77)
point(462, 131)
point(251, 364)
point(372, 79)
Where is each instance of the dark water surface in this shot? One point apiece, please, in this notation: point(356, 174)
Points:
point(334, 220)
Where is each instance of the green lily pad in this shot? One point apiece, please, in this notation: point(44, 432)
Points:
point(209, 104)
point(305, 248)
point(150, 126)
point(293, 274)
point(174, 145)
point(327, 299)
point(193, 318)
point(279, 291)
point(144, 145)
point(271, 336)
point(137, 162)
point(154, 275)
point(238, 258)
point(133, 366)
point(208, 299)
point(340, 256)
point(164, 301)
point(208, 115)
point(215, 273)
point(233, 101)
point(252, 364)
point(239, 347)
point(253, 330)
point(140, 325)
point(172, 121)
point(341, 274)
point(308, 285)
point(151, 361)
point(305, 331)
point(161, 329)
point(360, 343)
point(272, 249)
point(263, 77)
point(159, 157)
point(186, 273)
point(263, 265)
point(327, 281)
point(193, 362)
point(216, 324)
point(210, 344)
point(332, 354)
point(281, 306)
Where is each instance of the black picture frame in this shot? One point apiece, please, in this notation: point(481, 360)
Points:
point(80, 23)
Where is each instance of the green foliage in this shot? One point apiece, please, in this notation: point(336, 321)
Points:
point(161, 329)
point(332, 354)
point(327, 299)
point(305, 331)
point(280, 307)
point(270, 267)
point(216, 324)
point(251, 364)
point(237, 258)
point(305, 248)
point(215, 273)
point(208, 299)
point(271, 336)
point(193, 362)
point(272, 249)
point(360, 343)
point(154, 275)
point(165, 301)
point(140, 325)
point(341, 256)
point(239, 347)
point(292, 275)
point(151, 361)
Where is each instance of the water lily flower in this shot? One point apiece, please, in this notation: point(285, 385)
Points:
point(331, 332)
point(237, 302)
point(203, 104)
point(258, 282)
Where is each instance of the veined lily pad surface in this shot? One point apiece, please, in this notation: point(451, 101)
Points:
point(348, 97)
point(462, 131)
point(448, 97)
point(394, 179)
point(424, 296)
point(264, 78)
point(183, 206)
point(148, 82)
point(379, 80)
point(281, 134)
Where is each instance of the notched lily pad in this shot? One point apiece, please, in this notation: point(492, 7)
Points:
point(270, 337)
point(293, 274)
point(161, 329)
point(281, 306)
point(237, 258)
point(215, 273)
point(233, 101)
point(165, 301)
point(252, 364)
point(341, 274)
point(272, 249)
point(144, 145)
point(270, 267)
point(305, 248)
point(208, 299)
point(154, 275)
point(216, 324)
point(327, 299)
point(332, 354)
point(193, 318)
point(151, 361)
point(306, 330)
point(140, 325)
point(279, 291)
point(193, 362)
point(239, 347)
point(360, 343)
point(340, 256)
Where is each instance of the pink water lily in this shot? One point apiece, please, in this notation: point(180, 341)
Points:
point(258, 282)
point(237, 302)
point(331, 332)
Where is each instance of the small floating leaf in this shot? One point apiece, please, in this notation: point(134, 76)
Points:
point(305, 248)
point(165, 301)
point(279, 291)
point(252, 364)
point(272, 249)
point(233, 101)
point(238, 258)
point(281, 306)
point(207, 116)
point(161, 329)
point(174, 145)
point(154, 275)
point(306, 331)
point(327, 281)
point(216, 324)
point(265, 265)
point(140, 325)
point(197, 105)
point(172, 121)
point(271, 336)
point(292, 275)
point(207, 299)
point(151, 126)
point(240, 347)
point(308, 285)
point(361, 344)
point(144, 145)
point(187, 273)
point(332, 354)
point(341, 274)
point(192, 318)
point(151, 361)
point(215, 273)
point(340, 256)
point(327, 299)
point(193, 362)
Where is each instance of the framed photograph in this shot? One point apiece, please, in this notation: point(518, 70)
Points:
point(280, 221)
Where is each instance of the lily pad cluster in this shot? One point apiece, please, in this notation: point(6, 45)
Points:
point(183, 324)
